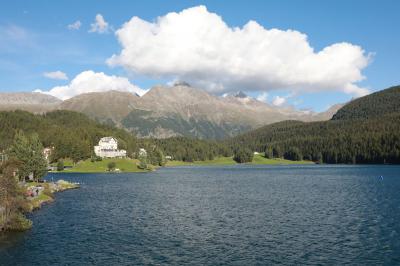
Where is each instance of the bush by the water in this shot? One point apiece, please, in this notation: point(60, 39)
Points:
point(111, 166)
point(243, 156)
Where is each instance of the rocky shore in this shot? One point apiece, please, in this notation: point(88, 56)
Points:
point(35, 195)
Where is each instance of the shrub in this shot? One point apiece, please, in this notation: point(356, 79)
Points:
point(60, 165)
point(243, 155)
point(111, 166)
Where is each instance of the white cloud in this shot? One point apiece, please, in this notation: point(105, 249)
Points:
point(56, 75)
point(100, 25)
point(89, 81)
point(262, 97)
point(279, 101)
point(199, 47)
point(75, 26)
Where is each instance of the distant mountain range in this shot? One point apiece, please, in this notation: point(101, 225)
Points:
point(30, 101)
point(167, 111)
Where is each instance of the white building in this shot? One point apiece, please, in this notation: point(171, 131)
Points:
point(142, 152)
point(108, 148)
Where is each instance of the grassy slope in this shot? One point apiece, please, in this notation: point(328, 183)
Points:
point(130, 165)
point(125, 165)
point(67, 162)
point(258, 159)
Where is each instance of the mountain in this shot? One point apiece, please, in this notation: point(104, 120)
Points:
point(29, 101)
point(181, 110)
point(108, 107)
point(178, 110)
point(367, 130)
point(373, 105)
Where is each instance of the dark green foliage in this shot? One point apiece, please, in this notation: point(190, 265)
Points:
point(186, 149)
point(156, 157)
point(243, 155)
point(375, 105)
point(29, 151)
point(111, 166)
point(11, 197)
point(269, 152)
point(277, 152)
point(318, 158)
point(293, 154)
point(60, 165)
point(367, 130)
point(72, 134)
point(337, 141)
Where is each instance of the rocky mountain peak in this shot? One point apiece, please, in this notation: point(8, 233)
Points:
point(240, 94)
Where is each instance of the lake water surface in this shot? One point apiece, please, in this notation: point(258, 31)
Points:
point(233, 215)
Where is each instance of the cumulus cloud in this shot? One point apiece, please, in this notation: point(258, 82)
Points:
point(75, 26)
point(198, 46)
point(262, 97)
point(279, 101)
point(99, 25)
point(89, 81)
point(56, 75)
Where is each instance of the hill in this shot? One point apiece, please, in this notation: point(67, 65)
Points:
point(374, 105)
point(107, 107)
point(72, 134)
point(356, 134)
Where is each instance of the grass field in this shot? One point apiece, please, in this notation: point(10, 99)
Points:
point(257, 160)
point(260, 159)
point(216, 161)
point(124, 165)
point(67, 162)
point(130, 165)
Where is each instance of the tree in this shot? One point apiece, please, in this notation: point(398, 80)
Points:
point(60, 165)
point(111, 166)
point(38, 161)
point(319, 158)
point(293, 154)
point(276, 152)
point(11, 197)
point(158, 157)
point(243, 155)
point(29, 151)
point(142, 162)
point(269, 152)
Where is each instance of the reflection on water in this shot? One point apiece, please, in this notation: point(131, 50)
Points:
point(219, 215)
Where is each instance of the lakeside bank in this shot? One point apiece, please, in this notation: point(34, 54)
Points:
point(33, 196)
point(258, 159)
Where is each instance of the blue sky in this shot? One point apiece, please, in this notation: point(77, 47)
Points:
point(34, 39)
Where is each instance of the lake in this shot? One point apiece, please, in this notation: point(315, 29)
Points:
point(229, 215)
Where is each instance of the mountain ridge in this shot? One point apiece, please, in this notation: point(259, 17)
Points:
point(180, 110)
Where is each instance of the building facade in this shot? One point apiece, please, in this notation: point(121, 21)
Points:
point(108, 148)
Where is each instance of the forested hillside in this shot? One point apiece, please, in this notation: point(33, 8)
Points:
point(374, 105)
point(367, 130)
point(72, 134)
point(188, 149)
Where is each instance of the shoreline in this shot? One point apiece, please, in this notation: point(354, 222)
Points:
point(35, 196)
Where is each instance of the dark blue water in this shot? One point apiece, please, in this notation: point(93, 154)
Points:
point(239, 215)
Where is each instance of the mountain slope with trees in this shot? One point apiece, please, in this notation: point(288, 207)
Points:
point(73, 135)
point(168, 111)
point(374, 105)
point(365, 131)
